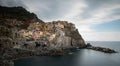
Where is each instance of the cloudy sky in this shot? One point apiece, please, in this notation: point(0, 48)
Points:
point(97, 20)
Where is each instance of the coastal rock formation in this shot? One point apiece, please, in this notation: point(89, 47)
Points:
point(22, 34)
point(101, 49)
point(56, 35)
point(29, 31)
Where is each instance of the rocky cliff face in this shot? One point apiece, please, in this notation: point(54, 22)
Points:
point(24, 27)
point(11, 20)
point(56, 34)
point(22, 34)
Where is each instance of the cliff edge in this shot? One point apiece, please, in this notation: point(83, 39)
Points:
point(22, 34)
point(25, 29)
point(54, 35)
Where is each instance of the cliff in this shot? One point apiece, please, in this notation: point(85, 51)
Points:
point(18, 13)
point(16, 17)
point(22, 34)
point(12, 19)
point(56, 34)
point(25, 30)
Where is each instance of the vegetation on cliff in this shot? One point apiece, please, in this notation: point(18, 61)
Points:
point(18, 13)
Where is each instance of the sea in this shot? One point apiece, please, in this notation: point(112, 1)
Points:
point(80, 57)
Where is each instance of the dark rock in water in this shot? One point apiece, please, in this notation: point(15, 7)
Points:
point(88, 45)
point(101, 49)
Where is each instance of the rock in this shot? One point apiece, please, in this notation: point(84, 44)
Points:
point(6, 63)
point(101, 49)
point(88, 45)
point(56, 34)
point(26, 35)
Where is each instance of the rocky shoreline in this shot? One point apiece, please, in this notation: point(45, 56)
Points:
point(8, 56)
point(11, 55)
point(101, 49)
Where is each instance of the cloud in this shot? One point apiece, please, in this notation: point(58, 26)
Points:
point(83, 13)
point(12, 3)
point(50, 10)
point(76, 9)
point(103, 14)
point(100, 13)
point(101, 36)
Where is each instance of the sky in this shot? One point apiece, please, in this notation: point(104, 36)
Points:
point(96, 20)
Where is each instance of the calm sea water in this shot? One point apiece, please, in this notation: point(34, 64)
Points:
point(81, 57)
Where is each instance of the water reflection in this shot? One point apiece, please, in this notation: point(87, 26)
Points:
point(81, 57)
